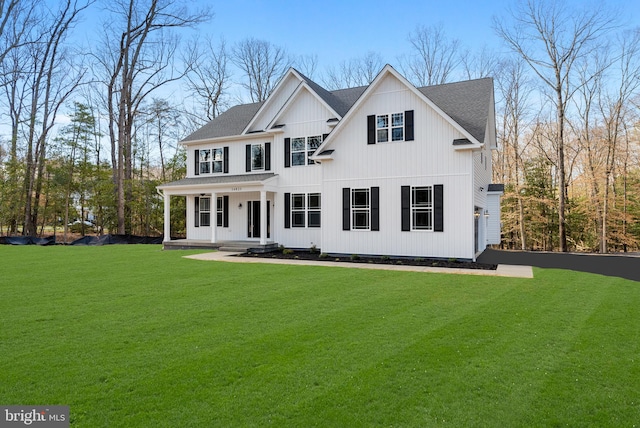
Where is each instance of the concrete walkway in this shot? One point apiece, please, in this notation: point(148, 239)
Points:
point(511, 271)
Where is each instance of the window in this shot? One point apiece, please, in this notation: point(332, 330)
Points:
point(312, 145)
point(205, 161)
point(390, 124)
point(219, 212)
point(210, 160)
point(390, 127)
point(305, 210)
point(217, 160)
point(313, 213)
point(298, 210)
point(422, 208)
point(205, 211)
point(301, 149)
point(360, 209)
point(257, 157)
point(298, 151)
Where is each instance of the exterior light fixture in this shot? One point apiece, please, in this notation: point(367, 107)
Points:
point(240, 206)
point(486, 214)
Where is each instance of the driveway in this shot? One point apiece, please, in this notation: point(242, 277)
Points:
point(620, 265)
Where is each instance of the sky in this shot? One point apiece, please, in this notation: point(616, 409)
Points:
point(338, 30)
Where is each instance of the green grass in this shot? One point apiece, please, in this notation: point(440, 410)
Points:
point(131, 336)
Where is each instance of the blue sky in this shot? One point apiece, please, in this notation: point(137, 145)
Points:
point(337, 30)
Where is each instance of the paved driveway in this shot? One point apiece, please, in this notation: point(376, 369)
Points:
point(624, 266)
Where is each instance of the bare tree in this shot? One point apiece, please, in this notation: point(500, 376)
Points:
point(481, 64)
point(135, 64)
point(551, 38)
point(355, 72)
point(434, 56)
point(52, 78)
point(307, 64)
point(262, 65)
point(514, 89)
point(614, 108)
point(209, 77)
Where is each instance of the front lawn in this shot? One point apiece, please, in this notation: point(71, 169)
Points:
point(132, 336)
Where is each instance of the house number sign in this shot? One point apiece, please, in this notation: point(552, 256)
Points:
point(236, 189)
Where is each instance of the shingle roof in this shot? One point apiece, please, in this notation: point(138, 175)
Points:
point(465, 102)
point(220, 179)
point(494, 187)
point(231, 122)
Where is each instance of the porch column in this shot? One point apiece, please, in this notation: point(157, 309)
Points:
point(167, 217)
point(263, 217)
point(214, 216)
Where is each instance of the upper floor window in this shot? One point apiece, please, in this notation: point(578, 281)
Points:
point(390, 127)
point(258, 157)
point(390, 124)
point(212, 161)
point(298, 150)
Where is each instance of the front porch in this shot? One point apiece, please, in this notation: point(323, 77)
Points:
point(232, 246)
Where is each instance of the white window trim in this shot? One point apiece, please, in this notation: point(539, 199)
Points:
point(421, 208)
point(211, 161)
point(202, 211)
point(262, 145)
point(389, 128)
point(364, 209)
point(306, 210)
point(308, 152)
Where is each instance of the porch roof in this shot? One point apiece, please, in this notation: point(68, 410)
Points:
point(219, 180)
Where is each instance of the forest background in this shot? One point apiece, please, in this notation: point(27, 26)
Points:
point(88, 130)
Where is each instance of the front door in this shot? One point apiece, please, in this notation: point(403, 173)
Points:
point(253, 219)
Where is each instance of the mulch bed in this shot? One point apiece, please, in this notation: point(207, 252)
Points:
point(406, 261)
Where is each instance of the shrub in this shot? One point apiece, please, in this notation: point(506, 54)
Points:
point(287, 251)
point(323, 255)
point(355, 257)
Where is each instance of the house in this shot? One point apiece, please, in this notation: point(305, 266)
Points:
point(384, 169)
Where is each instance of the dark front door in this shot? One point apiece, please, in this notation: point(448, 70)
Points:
point(253, 219)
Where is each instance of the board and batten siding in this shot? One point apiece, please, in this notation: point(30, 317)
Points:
point(275, 103)
point(429, 159)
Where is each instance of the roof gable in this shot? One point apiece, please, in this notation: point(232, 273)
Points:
point(455, 106)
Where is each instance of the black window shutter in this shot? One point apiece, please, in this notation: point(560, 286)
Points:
point(225, 160)
point(225, 211)
point(375, 208)
point(267, 156)
point(197, 162)
point(287, 210)
point(346, 208)
point(438, 211)
point(287, 152)
point(371, 129)
point(248, 158)
point(408, 125)
point(197, 211)
point(406, 208)
point(324, 137)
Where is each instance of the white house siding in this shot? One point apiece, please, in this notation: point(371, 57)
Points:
point(493, 232)
point(274, 103)
point(429, 159)
point(305, 116)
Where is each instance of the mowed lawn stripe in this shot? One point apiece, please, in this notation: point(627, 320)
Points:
point(134, 336)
